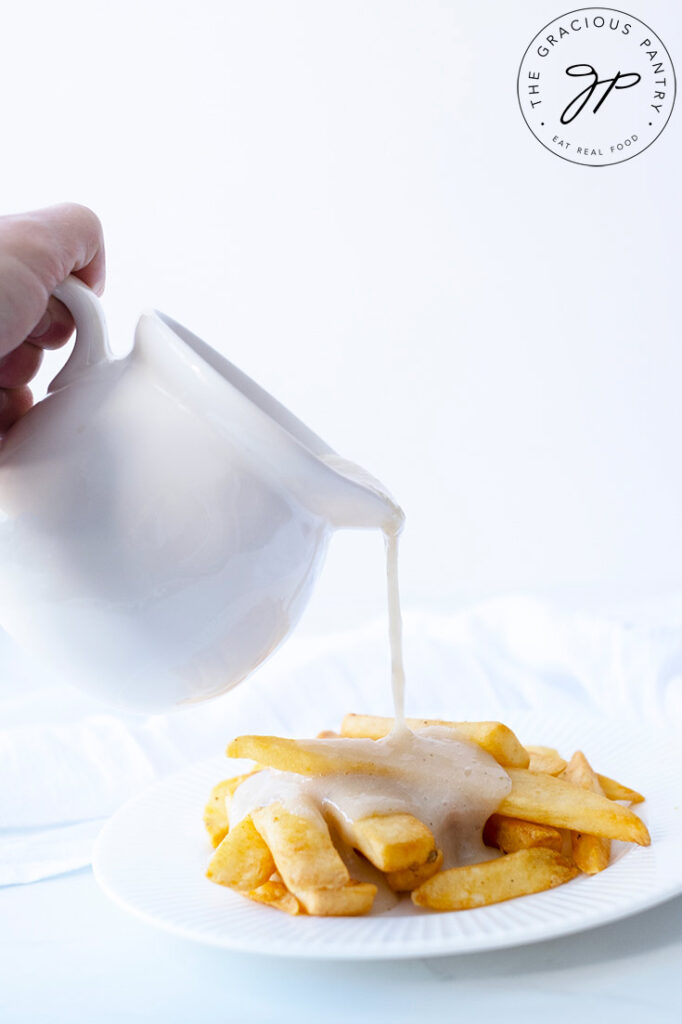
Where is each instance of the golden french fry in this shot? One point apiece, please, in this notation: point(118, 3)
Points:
point(303, 757)
point(302, 849)
point(591, 853)
point(493, 881)
point(391, 842)
point(409, 878)
point(546, 759)
point(274, 893)
point(512, 834)
point(496, 738)
point(215, 812)
point(616, 791)
point(242, 860)
point(566, 843)
point(350, 900)
point(550, 801)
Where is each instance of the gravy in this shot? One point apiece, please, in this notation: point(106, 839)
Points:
point(451, 785)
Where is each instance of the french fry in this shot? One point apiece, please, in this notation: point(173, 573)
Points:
point(616, 791)
point(242, 860)
point(391, 842)
point(302, 849)
point(566, 843)
point(274, 893)
point(496, 738)
point(494, 881)
point(591, 853)
point(546, 759)
point(350, 900)
point(512, 834)
point(215, 812)
point(409, 878)
point(303, 757)
point(549, 801)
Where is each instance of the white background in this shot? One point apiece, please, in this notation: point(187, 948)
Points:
point(345, 200)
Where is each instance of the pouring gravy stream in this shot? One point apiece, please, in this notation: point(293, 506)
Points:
point(450, 784)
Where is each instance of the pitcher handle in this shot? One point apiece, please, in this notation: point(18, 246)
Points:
point(92, 342)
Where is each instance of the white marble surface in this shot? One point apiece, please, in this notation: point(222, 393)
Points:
point(68, 955)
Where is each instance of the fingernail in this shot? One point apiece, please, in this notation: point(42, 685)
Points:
point(42, 327)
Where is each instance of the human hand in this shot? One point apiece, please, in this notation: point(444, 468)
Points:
point(38, 251)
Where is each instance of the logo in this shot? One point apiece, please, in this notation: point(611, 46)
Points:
point(596, 86)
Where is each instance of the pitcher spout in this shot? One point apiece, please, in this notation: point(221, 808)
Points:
point(352, 497)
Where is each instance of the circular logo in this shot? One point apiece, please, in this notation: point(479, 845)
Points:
point(596, 86)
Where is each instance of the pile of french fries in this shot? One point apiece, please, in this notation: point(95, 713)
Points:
point(558, 820)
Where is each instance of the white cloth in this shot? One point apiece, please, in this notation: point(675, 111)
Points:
point(67, 763)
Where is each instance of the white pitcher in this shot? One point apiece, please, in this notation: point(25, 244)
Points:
point(162, 518)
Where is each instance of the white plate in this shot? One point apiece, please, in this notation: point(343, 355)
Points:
point(151, 858)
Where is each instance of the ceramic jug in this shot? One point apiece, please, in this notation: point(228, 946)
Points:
point(162, 518)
